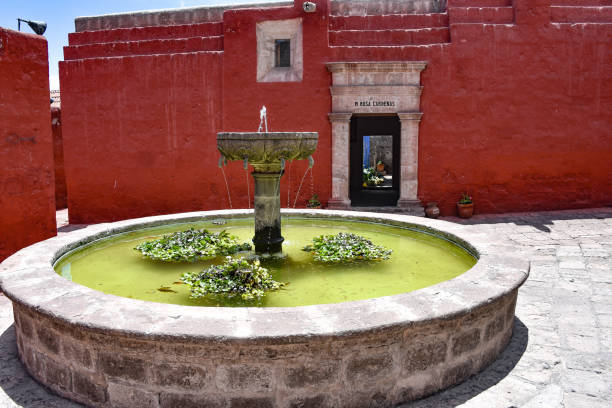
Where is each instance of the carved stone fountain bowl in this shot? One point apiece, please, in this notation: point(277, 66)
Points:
point(267, 147)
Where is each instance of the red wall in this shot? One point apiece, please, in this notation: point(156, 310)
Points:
point(138, 135)
point(61, 195)
point(291, 106)
point(27, 208)
point(519, 117)
point(515, 113)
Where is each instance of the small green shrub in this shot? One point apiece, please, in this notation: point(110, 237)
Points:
point(465, 199)
point(345, 247)
point(370, 178)
point(236, 277)
point(191, 245)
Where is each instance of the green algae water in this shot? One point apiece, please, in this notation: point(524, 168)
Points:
point(418, 260)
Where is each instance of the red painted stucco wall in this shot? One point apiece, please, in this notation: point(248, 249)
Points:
point(27, 206)
point(514, 113)
point(291, 106)
point(138, 135)
point(61, 194)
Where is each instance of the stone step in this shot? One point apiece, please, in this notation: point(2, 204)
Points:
point(490, 15)
point(391, 21)
point(419, 52)
point(589, 14)
point(382, 7)
point(146, 33)
point(432, 35)
point(581, 3)
point(130, 48)
point(479, 3)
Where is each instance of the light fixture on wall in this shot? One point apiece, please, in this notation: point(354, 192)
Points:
point(309, 7)
point(39, 27)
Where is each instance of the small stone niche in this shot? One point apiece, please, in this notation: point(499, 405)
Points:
point(279, 51)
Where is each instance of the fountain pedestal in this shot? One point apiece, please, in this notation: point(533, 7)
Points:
point(266, 152)
point(267, 237)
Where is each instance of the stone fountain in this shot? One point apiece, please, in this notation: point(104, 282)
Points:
point(267, 152)
point(111, 352)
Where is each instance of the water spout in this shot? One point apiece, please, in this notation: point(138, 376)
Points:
point(310, 162)
point(221, 161)
point(245, 163)
point(263, 119)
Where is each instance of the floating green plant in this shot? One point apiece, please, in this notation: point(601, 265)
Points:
point(191, 245)
point(343, 247)
point(235, 277)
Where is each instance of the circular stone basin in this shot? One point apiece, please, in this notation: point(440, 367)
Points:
point(109, 351)
point(418, 260)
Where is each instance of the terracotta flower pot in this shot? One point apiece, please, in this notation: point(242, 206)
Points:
point(465, 210)
point(380, 168)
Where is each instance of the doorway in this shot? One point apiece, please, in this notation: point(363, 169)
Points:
point(374, 161)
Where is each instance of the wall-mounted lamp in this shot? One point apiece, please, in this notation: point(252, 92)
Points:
point(39, 27)
point(309, 7)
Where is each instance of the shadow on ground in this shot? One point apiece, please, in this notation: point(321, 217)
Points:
point(71, 227)
point(25, 392)
point(540, 220)
point(484, 380)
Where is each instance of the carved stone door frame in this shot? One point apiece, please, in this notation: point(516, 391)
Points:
point(376, 88)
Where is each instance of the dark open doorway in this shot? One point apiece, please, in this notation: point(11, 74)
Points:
point(374, 161)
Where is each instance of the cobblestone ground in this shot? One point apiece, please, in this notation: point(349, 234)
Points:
point(560, 354)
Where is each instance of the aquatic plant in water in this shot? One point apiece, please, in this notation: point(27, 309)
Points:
point(191, 245)
point(345, 247)
point(235, 277)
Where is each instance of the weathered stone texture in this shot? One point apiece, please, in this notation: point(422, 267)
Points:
point(122, 366)
point(48, 338)
point(361, 368)
point(466, 341)
point(175, 400)
point(78, 353)
point(121, 396)
point(494, 327)
point(244, 377)
point(57, 374)
point(182, 376)
point(90, 390)
point(313, 374)
point(369, 360)
point(423, 354)
point(458, 373)
point(319, 401)
point(24, 324)
point(251, 402)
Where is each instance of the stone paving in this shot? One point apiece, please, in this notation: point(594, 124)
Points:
point(560, 354)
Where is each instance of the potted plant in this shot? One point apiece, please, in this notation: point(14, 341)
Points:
point(313, 202)
point(370, 179)
point(380, 166)
point(465, 206)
